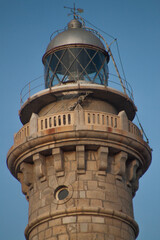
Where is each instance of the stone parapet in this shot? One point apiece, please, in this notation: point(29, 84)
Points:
point(59, 121)
point(101, 129)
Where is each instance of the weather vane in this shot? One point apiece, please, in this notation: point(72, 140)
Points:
point(74, 10)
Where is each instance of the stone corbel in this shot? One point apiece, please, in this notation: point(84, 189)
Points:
point(27, 170)
point(24, 187)
point(132, 170)
point(39, 166)
point(80, 158)
point(102, 159)
point(135, 184)
point(58, 161)
point(120, 165)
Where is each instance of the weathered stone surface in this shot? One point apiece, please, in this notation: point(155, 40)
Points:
point(79, 168)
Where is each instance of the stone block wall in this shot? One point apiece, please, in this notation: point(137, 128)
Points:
point(98, 201)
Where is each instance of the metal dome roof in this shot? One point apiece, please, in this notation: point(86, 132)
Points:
point(75, 34)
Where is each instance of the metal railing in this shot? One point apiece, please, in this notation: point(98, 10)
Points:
point(31, 88)
point(37, 85)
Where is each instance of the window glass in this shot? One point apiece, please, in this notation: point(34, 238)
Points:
point(72, 64)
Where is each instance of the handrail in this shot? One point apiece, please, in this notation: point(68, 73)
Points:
point(29, 88)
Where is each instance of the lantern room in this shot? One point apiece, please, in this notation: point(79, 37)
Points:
point(76, 54)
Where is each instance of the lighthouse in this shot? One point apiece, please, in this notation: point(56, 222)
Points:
point(79, 156)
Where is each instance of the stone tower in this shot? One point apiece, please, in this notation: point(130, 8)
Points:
point(78, 155)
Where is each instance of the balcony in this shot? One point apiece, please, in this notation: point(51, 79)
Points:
point(76, 120)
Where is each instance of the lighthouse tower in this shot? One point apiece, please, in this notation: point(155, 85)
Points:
point(78, 155)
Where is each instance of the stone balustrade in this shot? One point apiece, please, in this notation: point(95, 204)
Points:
point(132, 128)
point(21, 134)
point(55, 120)
point(88, 118)
point(104, 119)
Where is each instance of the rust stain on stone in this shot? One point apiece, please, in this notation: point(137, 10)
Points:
point(49, 131)
point(110, 129)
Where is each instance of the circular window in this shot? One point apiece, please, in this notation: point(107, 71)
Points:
point(61, 193)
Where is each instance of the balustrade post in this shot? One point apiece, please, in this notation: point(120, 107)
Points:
point(79, 116)
point(123, 120)
point(33, 124)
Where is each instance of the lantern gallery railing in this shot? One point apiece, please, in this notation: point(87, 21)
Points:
point(37, 84)
point(66, 119)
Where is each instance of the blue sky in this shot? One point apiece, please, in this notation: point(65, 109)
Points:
point(25, 29)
